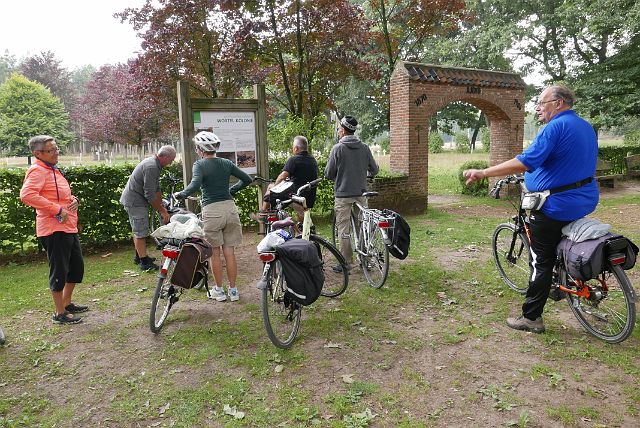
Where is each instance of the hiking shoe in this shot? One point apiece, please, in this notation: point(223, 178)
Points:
point(525, 324)
point(234, 296)
point(217, 293)
point(137, 260)
point(72, 308)
point(146, 263)
point(66, 318)
point(556, 294)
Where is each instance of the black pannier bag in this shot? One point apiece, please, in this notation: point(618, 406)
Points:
point(190, 266)
point(400, 235)
point(302, 269)
point(281, 191)
point(587, 259)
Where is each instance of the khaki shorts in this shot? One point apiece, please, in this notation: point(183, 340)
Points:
point(222, 225)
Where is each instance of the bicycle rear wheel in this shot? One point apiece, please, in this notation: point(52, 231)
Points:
point(610, 312)
point(374, 258)
point(164, 297)
point(513, 265)
point(336, 274)
point(281, 315)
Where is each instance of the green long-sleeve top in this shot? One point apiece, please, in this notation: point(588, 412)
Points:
point(211, 176)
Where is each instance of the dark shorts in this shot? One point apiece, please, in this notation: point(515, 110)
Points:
point(65, 259)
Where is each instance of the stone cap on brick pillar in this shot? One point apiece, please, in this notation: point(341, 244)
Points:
point(460, 76)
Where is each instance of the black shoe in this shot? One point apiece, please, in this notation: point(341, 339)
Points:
point(137, 260)
point(72, 308)
point(66, 318)
point(146, 263)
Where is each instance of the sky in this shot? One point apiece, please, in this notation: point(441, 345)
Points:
point(79, 32)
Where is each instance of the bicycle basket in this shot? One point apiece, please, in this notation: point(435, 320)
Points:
point(282, 191)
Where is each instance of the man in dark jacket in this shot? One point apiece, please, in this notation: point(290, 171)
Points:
point(349, 164)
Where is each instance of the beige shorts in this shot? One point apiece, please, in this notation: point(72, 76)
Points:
point(222, 225)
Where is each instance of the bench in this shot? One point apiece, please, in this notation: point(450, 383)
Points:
point(604, 179)
point(633, 166)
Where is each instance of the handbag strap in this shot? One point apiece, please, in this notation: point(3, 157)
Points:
point(575, 185)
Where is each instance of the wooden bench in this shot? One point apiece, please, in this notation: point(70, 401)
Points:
point(633, 166)
point(604, 179)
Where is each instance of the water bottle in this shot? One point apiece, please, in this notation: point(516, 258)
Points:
point(272, 240)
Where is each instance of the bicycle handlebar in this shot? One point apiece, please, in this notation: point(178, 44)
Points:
point(509, 179)
point(308, 186)
point(264, 180)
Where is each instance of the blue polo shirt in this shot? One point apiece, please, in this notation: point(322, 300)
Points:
point(564, 152)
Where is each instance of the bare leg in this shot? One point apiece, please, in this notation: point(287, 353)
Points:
point(58, 300)
point(67, 291)
point(232, 265)
point(216, 266)
point(141, 246)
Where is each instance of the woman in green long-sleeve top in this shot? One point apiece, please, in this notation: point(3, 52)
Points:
point(222, 227)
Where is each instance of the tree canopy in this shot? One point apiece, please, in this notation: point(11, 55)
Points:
point(27, 109)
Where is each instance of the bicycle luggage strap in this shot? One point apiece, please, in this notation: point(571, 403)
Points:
point(575, 185)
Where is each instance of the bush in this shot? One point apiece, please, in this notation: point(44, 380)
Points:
point(632, 138)
point(436, 143)
point(485, 140)
point(478, 188)
point(463, 144)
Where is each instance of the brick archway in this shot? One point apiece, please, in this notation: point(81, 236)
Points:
point(417, 92)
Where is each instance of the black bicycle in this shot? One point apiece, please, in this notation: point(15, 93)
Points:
point(605, 306)
point(171, 203)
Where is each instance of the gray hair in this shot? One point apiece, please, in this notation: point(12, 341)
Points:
point(167, 152)
point(564, 93)
point(301, 142)
point(38, 142)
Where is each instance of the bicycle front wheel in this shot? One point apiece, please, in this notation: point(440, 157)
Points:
point(374, 258)
point(609, 313)
point(164, 297)
point(281, 314)
point(511, 253)
point(336, 274)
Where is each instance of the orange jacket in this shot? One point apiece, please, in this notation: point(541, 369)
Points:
point(45, 189)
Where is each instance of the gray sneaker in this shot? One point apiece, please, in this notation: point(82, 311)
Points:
point(525, 324)
point(217, 293)
point(234, 295)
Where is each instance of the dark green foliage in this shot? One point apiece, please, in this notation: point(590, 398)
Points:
point(478, 188)
point(485, 140)
point(436, 143)
point(616, 155)
point(17, 221)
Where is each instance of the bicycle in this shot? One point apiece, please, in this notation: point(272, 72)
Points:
point(166, 293)
point(281, 314)
point(369, 239)
point(171, 203)
point(605, 306)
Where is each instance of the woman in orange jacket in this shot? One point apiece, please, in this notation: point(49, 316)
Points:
point(46, 190)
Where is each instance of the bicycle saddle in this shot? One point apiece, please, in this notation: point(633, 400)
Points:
point(281, 224)
point(370, 194)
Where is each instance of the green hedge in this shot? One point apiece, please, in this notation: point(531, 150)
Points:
point(101, 216)
point(616, 155)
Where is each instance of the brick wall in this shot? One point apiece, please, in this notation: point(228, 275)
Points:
point(413, 101)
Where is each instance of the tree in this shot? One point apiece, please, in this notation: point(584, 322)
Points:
point(46, 69)
point(26, 109)
point(7, 66)
point(198, 41)
point(116, 109)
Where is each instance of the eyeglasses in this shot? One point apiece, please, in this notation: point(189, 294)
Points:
point(539, 103)
point(50, 151)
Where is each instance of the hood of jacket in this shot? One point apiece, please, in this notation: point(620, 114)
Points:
point(351, 141)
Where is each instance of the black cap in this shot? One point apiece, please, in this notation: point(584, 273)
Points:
point(349, 123)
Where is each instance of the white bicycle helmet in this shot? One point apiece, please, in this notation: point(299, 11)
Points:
point(207, 141)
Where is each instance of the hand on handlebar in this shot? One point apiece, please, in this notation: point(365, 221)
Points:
point(179, 196)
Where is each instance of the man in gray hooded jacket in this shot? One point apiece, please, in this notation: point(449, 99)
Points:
point(349, 164)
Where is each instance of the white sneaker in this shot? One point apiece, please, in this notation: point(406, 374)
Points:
point(234, 296)
point(217, 293)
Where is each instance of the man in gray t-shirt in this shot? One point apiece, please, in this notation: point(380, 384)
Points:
point(143, 189)
point(349, 164)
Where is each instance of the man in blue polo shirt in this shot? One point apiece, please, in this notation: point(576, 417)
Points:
point(564, 152)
